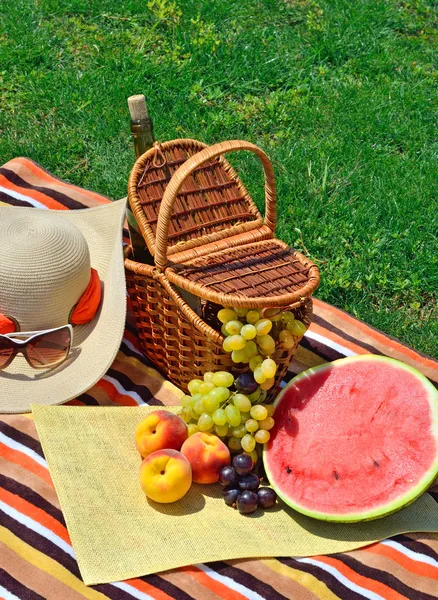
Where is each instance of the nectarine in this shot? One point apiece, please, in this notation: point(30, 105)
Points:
point(165, 476)
point(207, 454)
point(160, 429)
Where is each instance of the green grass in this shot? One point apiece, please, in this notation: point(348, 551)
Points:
point(341, 94)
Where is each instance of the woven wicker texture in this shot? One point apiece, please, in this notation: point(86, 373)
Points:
point(118, 534)
point(264, 274)
point(181, 344)
point(211, 204)
point(207, 237)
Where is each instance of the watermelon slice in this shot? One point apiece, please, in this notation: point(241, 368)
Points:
point(355, 439)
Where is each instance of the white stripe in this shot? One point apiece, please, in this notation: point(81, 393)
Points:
point(132, 590)
point(348, 584)
point(250, 594)
point(423, 558)
point(131, 346)
point(327, 342)
point(18, 196)
point(23, 449)
point(7, 595)
point(119, 387)
point(35, 526)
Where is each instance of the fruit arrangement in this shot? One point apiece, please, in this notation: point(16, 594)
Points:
point(230, 408)
point(171, 460)
point(232, 405)
point(241, 487)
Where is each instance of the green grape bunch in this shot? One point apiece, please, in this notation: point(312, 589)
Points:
point(233, 407)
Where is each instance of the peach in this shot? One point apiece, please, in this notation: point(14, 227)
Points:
point(165, 476)
point(207, 454)
point(160, 429)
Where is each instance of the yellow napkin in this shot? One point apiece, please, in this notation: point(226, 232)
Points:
point(118, 534)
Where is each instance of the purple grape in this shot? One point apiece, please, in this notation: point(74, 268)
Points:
point(231, 496)
point(247, 502)
point(228, 476)
point(267, 497)
point(249, 482)
point(246, 384)
point(243, 463)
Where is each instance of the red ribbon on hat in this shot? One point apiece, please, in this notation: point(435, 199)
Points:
point(89, 302)
point(6, 325)
point(84, 310)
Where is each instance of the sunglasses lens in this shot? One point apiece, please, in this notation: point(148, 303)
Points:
point(49, 349)
point(6, 349)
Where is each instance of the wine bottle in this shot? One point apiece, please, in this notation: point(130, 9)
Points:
point(143, 139)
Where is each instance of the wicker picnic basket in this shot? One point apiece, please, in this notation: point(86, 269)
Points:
point(209, 247)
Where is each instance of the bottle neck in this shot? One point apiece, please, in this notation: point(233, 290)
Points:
point(142, 135)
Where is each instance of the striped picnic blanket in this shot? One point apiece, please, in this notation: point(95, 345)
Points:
point(37, 559)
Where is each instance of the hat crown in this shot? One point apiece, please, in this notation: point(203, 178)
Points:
point(44, 268)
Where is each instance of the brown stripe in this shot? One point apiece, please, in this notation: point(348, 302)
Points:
point(42, 582)
point(111, 591)
point(148, 388)
point(22, 438)
point(282, 583)
point(75, 193)
point(231, 570)
point(11, 485)
point(30, 480)
point(384, 577)
point(419, 542)
point(411, 357)
point(321, 306)
point(38, 185)
point(21, 423)
point(100, 396)
point(344, 592)
point(166, 586)
point(120, 374)
point(187, 583)
point(40, 543)
point(15, 587)
point(342, 332)
point(377, 562)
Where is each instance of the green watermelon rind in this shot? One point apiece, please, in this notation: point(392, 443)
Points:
point(385, 509)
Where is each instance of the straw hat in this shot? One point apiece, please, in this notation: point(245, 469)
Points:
point(45, 262)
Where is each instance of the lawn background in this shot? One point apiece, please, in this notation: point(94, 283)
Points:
point(342, 95)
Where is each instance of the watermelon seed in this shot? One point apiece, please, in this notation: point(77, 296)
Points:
point(336, 475)
point(376, 464)
point(288, 470)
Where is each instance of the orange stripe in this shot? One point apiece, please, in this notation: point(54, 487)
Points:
point(114, 395)
point(338, 339)
point(53, 181)
point(215, 586)
point(376, 335)
point(32, 193)
point(142, 586)
point(404, 561)
point(17, 457)
point(35, 513)
point(370, 584)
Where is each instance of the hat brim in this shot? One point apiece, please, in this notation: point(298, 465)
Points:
point(96, 343)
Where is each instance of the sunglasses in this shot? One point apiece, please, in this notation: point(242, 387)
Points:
point(41, 349)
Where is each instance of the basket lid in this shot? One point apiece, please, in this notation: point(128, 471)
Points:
point(259, 275)
point(211, 204)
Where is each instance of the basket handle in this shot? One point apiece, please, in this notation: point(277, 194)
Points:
point(187, 168)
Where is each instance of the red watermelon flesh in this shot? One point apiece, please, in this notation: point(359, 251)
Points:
point(355, 439)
